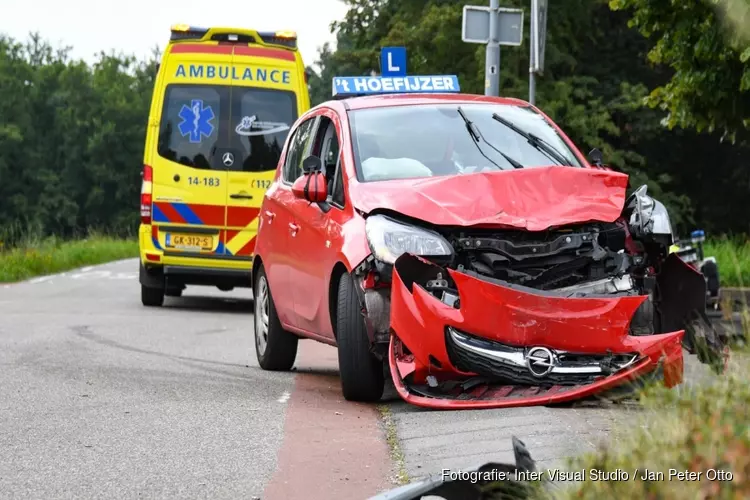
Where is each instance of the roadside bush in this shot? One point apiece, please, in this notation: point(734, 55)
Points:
point(700, 428)
point(52, 255)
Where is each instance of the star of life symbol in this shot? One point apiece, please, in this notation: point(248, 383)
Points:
point(249, 125)
point(196, 121)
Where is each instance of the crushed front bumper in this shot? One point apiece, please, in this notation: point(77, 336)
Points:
point(500, 346)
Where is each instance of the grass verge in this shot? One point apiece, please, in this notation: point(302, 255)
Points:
point(397, 456)
point(53, 256)
point(733, 256)
point(700, 432)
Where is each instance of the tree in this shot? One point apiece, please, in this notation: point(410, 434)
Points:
point(707, 45)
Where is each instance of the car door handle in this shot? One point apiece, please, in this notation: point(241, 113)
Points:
point(243, 196)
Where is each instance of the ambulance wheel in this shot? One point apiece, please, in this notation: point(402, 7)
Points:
point(152, 297)
point(275, 348)
point(361, 373)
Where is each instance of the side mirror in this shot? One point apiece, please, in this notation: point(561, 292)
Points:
point(311, 186)
point(312, 164)
point(596, 157)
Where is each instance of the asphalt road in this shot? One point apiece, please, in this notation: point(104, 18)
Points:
point(102, 398)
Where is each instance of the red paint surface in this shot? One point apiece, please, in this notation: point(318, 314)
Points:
point(199, 48)
point(241, 216)
point(248, 248)
point(264, 52)
point(169, 212)
point(534, 199)
point(210, 215)
point(327, 455)
point(670, 349)
point(514, 317)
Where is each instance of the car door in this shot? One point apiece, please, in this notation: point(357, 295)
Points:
point(278, 260)
point(310, 245)
point(261, 119)
point(189, 183)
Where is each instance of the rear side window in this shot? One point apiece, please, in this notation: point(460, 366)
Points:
point(262, 125)
point(200, 123)
point(190, 124)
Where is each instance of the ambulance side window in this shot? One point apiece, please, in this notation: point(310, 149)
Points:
point(297, 148)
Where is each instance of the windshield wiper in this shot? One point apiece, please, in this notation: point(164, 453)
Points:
point(535, 141)
point(476, 135)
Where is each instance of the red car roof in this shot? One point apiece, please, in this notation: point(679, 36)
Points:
point(381, 101)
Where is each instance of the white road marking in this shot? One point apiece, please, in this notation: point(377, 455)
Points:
point(284, 397)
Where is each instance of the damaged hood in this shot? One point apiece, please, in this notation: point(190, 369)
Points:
point(533, 199)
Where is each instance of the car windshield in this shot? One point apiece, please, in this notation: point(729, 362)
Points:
point(402, 142)
point(199, 122)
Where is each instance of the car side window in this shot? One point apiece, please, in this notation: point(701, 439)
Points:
point(327, 148)
point(297, 148)
point(337, 193)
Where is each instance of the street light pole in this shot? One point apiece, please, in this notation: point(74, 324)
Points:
point(492, 61)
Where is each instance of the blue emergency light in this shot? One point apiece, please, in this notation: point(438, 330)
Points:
point(698, 236)
point(351, 86)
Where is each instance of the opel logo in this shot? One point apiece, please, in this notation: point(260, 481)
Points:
point(227, 159)
point(540, 361)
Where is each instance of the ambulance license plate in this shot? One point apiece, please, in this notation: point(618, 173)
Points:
point(190, 241)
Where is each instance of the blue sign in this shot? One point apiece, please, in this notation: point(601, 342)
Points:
point(371, 85)
point(196, 121)
point(393, 61)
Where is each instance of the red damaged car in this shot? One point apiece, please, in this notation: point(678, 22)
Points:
point(464, 245)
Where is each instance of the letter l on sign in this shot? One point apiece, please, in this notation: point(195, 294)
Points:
point(393, 61)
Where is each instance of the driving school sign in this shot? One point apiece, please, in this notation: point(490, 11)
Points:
point(366, 85)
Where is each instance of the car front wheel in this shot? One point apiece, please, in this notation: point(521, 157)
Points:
point(361, 373)
point(275, 347)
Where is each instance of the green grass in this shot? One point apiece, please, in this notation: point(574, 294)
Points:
point(397, 456)
point(696, 429)
point(733, 256)
point(36, 257)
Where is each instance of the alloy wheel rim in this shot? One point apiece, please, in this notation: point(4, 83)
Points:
point(261, 316)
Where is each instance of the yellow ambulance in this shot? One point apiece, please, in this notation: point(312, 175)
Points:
point(223, 103)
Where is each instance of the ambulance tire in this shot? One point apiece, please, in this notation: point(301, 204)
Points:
point(361, 372)
point(152, 297)
point(275, 348)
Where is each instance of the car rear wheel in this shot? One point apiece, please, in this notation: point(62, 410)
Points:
point(152, 297)
point(361, 373)
point(275, 347)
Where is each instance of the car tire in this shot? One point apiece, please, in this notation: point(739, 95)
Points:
point(275, 347)
point(152, 297)
point(361, 372)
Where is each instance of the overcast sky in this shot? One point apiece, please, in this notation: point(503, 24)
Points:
point(136, 26)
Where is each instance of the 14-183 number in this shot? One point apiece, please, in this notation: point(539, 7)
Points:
point(204, 181)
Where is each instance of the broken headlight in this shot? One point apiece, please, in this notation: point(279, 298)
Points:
point(389, 239)
point(648, 217)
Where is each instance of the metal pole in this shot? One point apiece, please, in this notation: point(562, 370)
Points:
point(532, 87)
point(492, 61)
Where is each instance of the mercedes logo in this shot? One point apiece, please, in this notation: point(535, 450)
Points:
point(227, 159)
point(540, 361)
